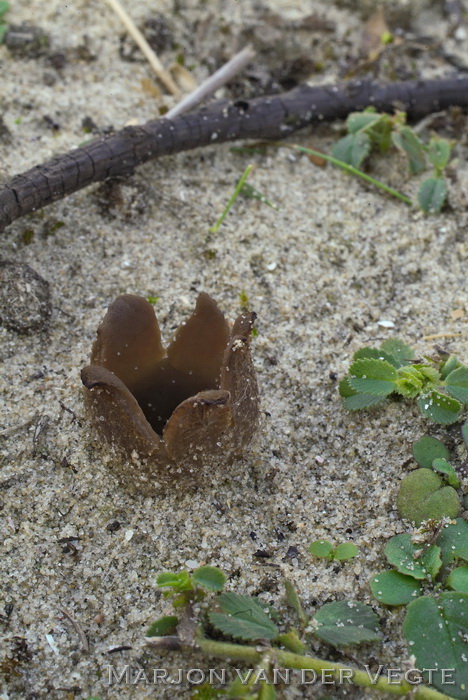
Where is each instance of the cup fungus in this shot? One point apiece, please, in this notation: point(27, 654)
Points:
point(177, 411)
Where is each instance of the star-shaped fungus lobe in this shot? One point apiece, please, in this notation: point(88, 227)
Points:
point(172, 411)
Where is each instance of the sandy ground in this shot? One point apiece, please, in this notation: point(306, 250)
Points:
point(320, 273)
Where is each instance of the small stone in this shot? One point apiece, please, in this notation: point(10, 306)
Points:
point(24, 298)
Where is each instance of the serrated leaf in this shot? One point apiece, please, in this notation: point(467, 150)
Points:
point(358, 121)
point(209, 577)
point(321, 548)
point(346, 622)
point(345, 551)
point(352, 149)
point(295, 602)
point(374, 377)
point(400, 350)
point(407, 141)
point(243, 617)
point(436, 630)
point(458, 579)
point(357, 402)
point(402, 553)
point(432, 194)
point(441, 466)
point(165, 625)
point(453, 541)
point(439, 407)
point(353, 401)
point(375, 354)
point(456, 383)
point(427, 449)
point(423, 495)
point(394, 588)
point(438, 152)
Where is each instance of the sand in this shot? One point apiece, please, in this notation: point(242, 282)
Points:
point(322, 274)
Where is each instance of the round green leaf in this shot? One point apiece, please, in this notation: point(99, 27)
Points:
point(432, 195)
point(321, 548)
point(458, 579)
point(346, 622)
point(422, 495)
point(394, 588)
point(438, 152)
point(427, 449)
point(436, 630)
point(453, 541)
point(209, 577)
point(345, 550)
point(456, 384)
point(406, 556)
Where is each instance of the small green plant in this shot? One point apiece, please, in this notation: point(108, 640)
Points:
point(239, 627)
point(369, 129)
point(4, 7)
point(440, 385)
point(325, 550)
point(247, 190)
point(423, 561)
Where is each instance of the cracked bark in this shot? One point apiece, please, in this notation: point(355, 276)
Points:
point(272, 117)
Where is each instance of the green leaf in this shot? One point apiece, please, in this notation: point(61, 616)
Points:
point(427, 449)
point(439, 407)
point(345, 551)
point(438, 152)
point(244, 618)
point(295, 602)
point(453, 541)
point(456, 384)
point(394, 588)
point(410, 382)
point(407, 141)
point(458, 579)
point(353, 401)
point(321, 548)
point(179, 581)
point(449, 365)
point(165, 625)
point(441, 466)
point(402, 553)
point(352, 149)
point(267, 691)
point(359, 121)
point(432, 195)
point(376, 354)
point(346, 622)
point(400, 350)
point(375, 377)
point(436, 631)
point(251, 192)
point(423, 495)
point(209, 577)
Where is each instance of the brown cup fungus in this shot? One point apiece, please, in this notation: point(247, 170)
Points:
point(172, 412)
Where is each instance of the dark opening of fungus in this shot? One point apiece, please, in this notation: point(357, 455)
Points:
point(188, 405)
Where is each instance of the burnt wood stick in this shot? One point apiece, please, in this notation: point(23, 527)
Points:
point(273, 117)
